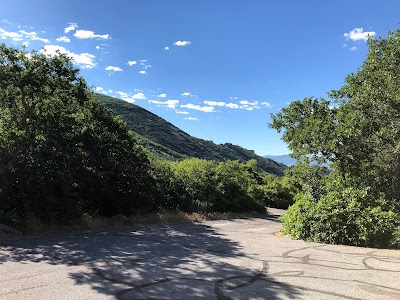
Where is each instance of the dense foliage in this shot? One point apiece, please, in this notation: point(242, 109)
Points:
point(63, 155)
point(358, 131)
point(61, 152)
point(197, 185)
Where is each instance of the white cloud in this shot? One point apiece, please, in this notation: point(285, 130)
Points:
point(344, 45)
point(26, 44)
point(250, 107)
point(182, 112)
point(84, 60)
point(63, 39)
point(130, 97)
point(166, 48)
point(162, 95)
point(87, 34)
point(169, 103)
point(70, 27)
point(198, 107)
point(122, 94)
point(139, 96)
point(191, 119)
point(32, 36)
point(358, 34)
point(112, 68)
point(232, 105)
point(99, 89)
point(182, 43)
point(21, 35)
point(186, 94)
point(143, 62)
point(266, 104)
point(353, 49)
point(142, 72)
point(246, 103)
point(15, 36)
point(132, 62)
point(214, 103)
point(97, 47)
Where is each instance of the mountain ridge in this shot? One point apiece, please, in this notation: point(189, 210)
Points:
point(168, 141)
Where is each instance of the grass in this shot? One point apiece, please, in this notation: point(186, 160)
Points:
point(97, 223)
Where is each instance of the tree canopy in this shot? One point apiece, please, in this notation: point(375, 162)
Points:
point(357, 129)
point(61, 152)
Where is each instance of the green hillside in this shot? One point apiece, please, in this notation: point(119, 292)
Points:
point(169, 141)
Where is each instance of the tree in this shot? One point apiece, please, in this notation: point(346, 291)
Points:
point(61, 152)
point(358, 131)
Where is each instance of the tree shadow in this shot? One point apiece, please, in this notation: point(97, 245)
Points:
point(162, 262)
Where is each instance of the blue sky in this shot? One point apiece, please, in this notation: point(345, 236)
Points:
point(215, 69)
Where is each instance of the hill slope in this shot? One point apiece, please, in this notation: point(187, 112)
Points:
point(169, 141)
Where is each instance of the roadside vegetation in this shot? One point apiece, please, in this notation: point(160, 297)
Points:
point(358, 132)
point(65, 160)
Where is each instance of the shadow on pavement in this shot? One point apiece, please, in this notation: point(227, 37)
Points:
point(161, 262)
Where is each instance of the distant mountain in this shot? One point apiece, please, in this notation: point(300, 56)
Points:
point(288, 161)
point(283, 159)
point(168, 141)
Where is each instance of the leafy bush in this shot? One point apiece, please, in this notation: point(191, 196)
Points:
point(237, 185)
point(194, 184)
point(348, 216)
point(395, 241)
point(297, 220)
point(278, 191)
point(197, 185)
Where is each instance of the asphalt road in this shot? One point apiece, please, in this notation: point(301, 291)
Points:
point(230, 259)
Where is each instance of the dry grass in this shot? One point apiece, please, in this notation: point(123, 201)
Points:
point(96, 223)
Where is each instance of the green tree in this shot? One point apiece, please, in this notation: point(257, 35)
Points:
point(358, 131)
point(195, 182)
point(61, 152)
point(239, 186)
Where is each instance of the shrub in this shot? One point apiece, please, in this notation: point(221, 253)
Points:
point(237, 187)
point(195, 185)
point(348, 216)
point(298, 218)
point(278, 192)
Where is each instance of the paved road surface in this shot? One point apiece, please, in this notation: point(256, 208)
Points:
point(235, 259)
